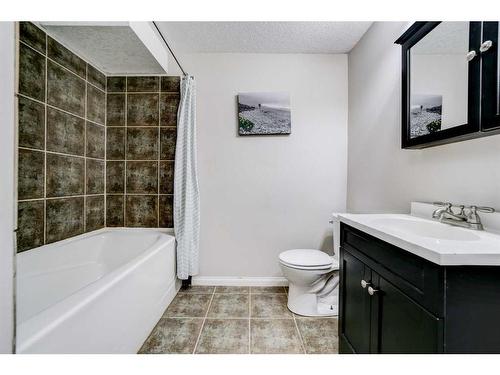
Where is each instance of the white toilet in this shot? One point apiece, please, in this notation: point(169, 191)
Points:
point(313, 278)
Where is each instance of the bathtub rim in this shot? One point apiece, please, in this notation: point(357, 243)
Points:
point(48, 318)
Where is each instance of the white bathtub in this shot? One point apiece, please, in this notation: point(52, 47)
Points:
point(100, 292)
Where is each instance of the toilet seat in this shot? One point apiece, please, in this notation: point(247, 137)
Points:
point(306, 259)
point(332, 267)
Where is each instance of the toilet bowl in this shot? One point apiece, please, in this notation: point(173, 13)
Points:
point(313, 279)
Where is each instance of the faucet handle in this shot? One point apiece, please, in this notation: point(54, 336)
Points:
point(448, 205)
point(482, 209)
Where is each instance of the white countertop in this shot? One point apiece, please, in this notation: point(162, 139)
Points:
point(458, 246)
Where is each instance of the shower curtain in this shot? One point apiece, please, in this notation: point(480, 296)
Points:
point(186, 191)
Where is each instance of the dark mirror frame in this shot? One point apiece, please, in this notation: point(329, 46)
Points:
point(460, 132)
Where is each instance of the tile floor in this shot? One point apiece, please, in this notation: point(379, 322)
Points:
point(238, 320)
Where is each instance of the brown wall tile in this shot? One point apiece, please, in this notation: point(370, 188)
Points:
point(166, 177)
point(95, 176)
point(96, 138)
point(115, 144)
point(115, 177)
point(115, 110)
point(115, 210)
point(33, 36)
point(96, 105)
point(65, 175)
point(95, 77)
point(169, 104)
point(30, 224)
point(168, 139)
point(166, 211)
point(31, 123)
point(143, 84)
point(142, 110)
point(31, 73)
point(94, 213)
point(142, 143)
point(31, 179)
point(65, 90)
point(170, 83)
point(64, 218)
point(57, 52)
point(65, 132)
point(116, 84)
point(142, 177)
point(141, 211)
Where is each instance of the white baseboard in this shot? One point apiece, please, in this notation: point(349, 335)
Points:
point(239, 281)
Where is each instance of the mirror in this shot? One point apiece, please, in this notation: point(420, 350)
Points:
point(439, 79)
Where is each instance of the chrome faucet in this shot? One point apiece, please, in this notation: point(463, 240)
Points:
point(466, 219)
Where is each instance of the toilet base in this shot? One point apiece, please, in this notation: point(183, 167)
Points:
point(309, 304)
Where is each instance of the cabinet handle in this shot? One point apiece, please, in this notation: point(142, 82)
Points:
point(364, 284)
point(372, 291)
point(485, 46)
point(471, 55)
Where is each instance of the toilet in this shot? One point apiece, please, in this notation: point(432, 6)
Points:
point(313, 278)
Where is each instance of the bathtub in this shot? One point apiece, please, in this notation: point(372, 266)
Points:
point(101, 292)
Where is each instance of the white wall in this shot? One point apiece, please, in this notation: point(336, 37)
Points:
point(261, 195)
point(7, 142)
point(381, 176)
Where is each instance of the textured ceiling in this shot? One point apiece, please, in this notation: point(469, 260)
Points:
point(112, 49)
point(263, 37)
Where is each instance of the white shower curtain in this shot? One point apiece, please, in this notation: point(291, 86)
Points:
point(186, 191)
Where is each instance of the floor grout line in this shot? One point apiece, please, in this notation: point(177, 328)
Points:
point(204, 320)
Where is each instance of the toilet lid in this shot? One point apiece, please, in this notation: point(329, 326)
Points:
point(306, 258)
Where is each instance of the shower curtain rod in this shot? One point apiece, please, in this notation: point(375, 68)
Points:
point(170, 49)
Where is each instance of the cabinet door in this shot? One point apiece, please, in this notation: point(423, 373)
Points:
point(403, 325)
point(354, 318)
point(490, 95)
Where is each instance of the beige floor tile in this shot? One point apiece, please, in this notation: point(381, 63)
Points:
point(224, 336)
point(266, 289)
point(189, 305)
point(320, 335)
point(173, 335)
point(229, 306)
point(232, 289)
point(278, 336)
point(197, 289)
point(269, 305)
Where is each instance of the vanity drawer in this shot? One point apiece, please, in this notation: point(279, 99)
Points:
point(421, 280)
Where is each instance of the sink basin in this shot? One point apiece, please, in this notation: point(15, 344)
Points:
point(429, 229)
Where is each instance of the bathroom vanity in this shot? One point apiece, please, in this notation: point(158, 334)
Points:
point(411, 285)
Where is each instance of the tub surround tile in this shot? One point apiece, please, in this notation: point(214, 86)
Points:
point(30, 224)
point(31, 123)
point(96, 105)
point(65, 175)
point(170, 83)
point(274, 336)
point(189, 305)
point(115, 110)
point(168, 138)
point(142, 143)
point(65, 90)
point(142, 110)
point(114, 210)
point(320, 335)
point(95, 139)
point(64, 218)
point(116, 84)
point(173, 335)
point(143, 84)
point(197, 289)
point(31, 165)
point(115, 177)
point(141, 211)
point(57, 52)
point(94, 212)
point(33, 36)
point(169, 104)
point(95, 176)
point(95, 77)
point(232, 289)
point(270, 305)
point(224, 336)
point(142, 177)
point(65, 133)
point(166, 207)
point(115, 144)
point(229, 306)
point(31, 73)
point(166, 177)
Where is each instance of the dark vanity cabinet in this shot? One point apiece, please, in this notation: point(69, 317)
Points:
point(450, 82)
point(392, 301)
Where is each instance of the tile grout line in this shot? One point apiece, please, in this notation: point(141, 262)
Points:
point(249, 321)
point(204, 320)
